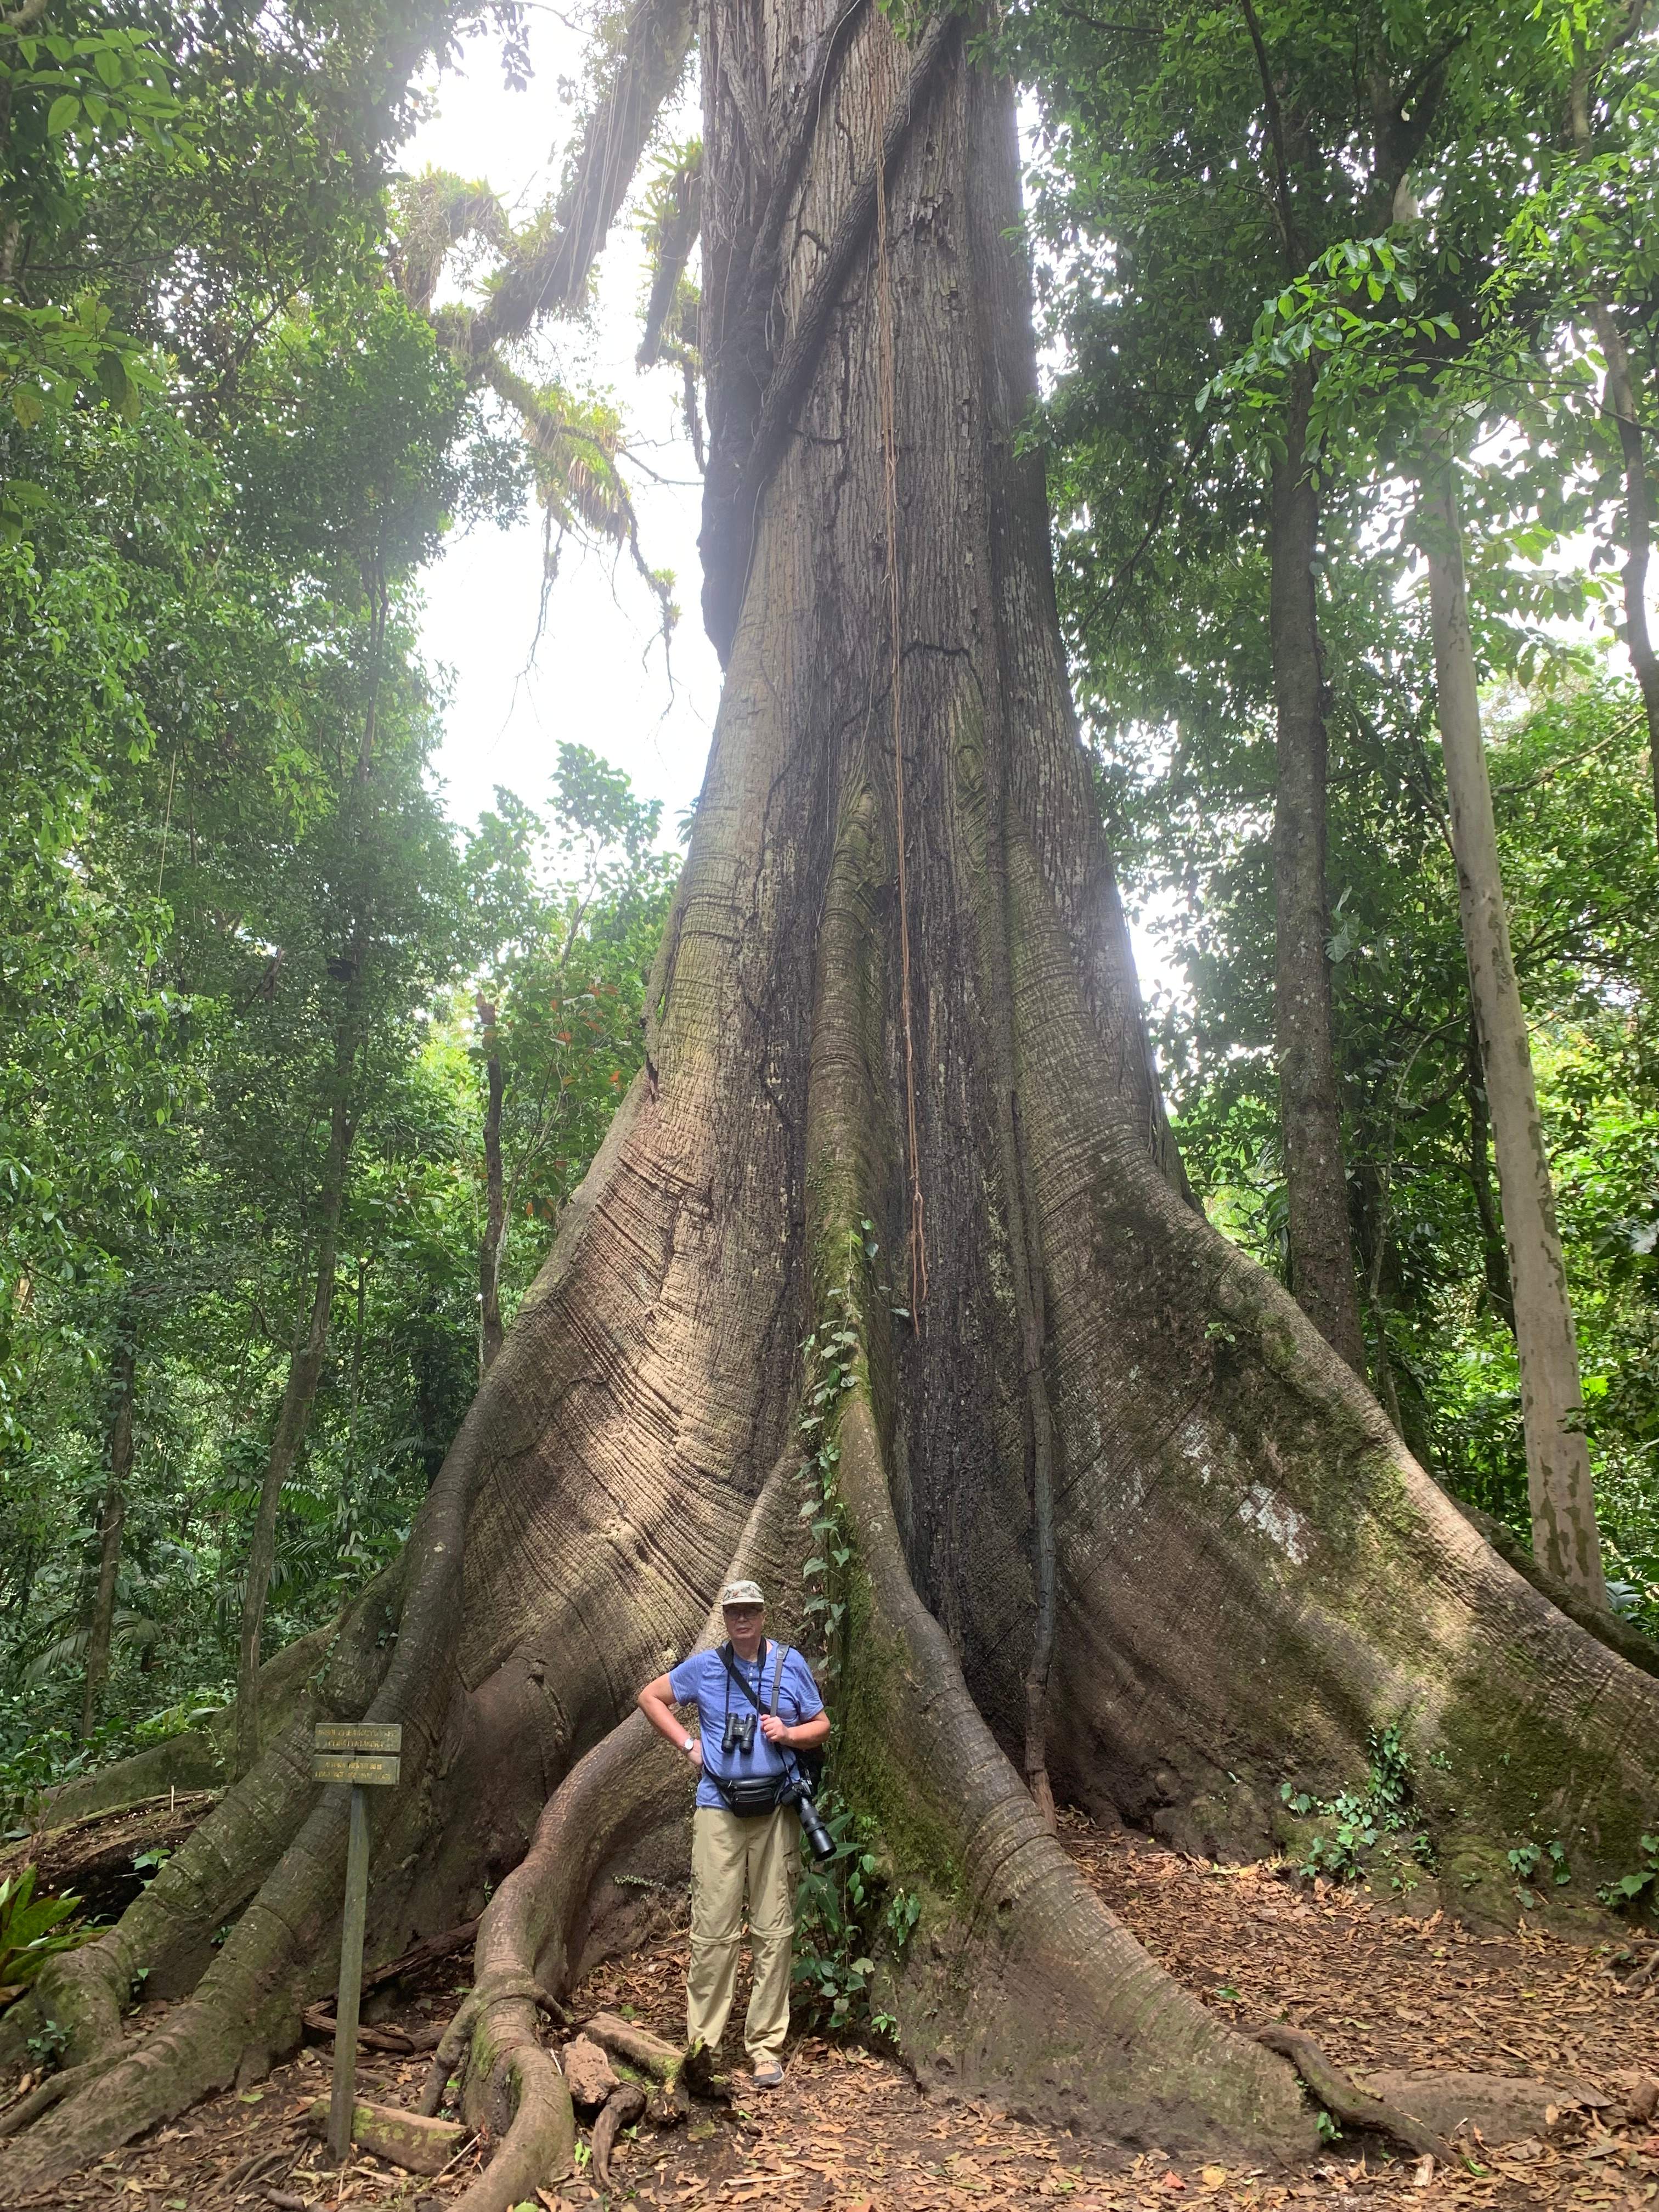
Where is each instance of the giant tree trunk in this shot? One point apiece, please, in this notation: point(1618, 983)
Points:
point(1310, 1117)
point(111, 1522)
point(492, 1245)
point(305, 1371)
point(1249, 1571)
point(1563, 1503)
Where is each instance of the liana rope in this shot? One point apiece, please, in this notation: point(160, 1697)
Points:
point(917, 1239)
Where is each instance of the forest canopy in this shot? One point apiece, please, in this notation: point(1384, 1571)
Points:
point(1348, 321)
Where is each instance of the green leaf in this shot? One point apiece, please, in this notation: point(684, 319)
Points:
point(63, 114)
point(112, 379)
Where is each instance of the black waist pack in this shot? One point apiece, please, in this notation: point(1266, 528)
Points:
point(749, 1795)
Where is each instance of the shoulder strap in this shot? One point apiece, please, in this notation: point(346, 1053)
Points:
point(777, 1679)
point(731, 1667)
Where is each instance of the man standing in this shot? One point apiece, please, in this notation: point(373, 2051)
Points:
point(756, 1704)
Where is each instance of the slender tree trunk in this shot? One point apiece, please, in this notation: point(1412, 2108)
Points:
point(305, 1370)
point(493, 1246)
point(1309, 1115)
point(357, 1371)
point(112, 1520)
point(1563, 1505)
point(1494, 1260)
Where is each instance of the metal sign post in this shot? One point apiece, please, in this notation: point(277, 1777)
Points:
point(365, 1753)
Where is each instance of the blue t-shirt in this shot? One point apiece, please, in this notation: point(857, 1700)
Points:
point(701, 1681)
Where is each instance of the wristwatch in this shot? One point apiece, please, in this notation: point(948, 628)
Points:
point(686, 1746)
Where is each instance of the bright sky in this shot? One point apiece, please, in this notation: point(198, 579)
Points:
point(597, 677)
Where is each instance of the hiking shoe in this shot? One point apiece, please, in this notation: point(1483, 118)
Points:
point(769, 2075)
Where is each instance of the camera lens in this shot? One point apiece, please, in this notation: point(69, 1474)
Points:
point(819, 1841)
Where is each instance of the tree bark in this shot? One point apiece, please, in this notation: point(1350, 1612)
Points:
point(493, 1245)
point(1562, 1501)
point(1321, 1245)
point(112, 1520)
point(1250, 1571)
point(305, 1370)
point(1494, 1260)
point(1309, 1115)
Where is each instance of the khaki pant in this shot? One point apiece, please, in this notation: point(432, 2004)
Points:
point(725, 1852)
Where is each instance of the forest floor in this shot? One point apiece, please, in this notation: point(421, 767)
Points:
point(851, 2131)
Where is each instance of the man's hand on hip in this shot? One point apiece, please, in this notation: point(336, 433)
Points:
point(655, 1701)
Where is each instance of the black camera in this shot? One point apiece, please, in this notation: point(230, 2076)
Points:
point(819, 1841)
point(739, 1732)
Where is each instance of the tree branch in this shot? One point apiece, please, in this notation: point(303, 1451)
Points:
point(676, 235)
point(1276, 129)
point(553, 274)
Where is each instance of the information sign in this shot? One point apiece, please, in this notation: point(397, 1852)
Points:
point(359, 1735)
point(348, 1766)
point(365, 1753)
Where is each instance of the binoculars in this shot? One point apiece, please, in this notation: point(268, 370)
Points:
point(739, 1734)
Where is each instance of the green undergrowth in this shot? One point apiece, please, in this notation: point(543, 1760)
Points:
point(835, 1364)
point(35, 1759)
point(1535, 1864)
point(31, 1930)
point(861, 1666)
point(851, 1918)
point(1638, 1889)
point(1366, 1834)
point(1378, 1834)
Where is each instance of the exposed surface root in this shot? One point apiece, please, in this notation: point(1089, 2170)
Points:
point(512, 2086)
point(320, 2022)
point(538, 2142)
point(850, 2126)
point(52, 2091)
point(622, 2107)
point(165, 1934)
point(1344, 2100)
point(663, 2061)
